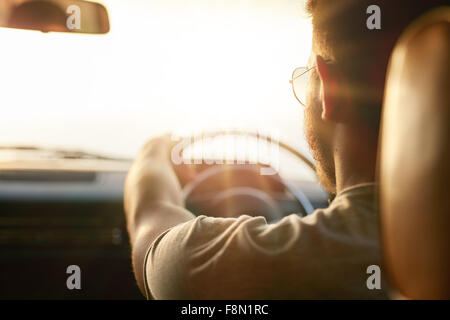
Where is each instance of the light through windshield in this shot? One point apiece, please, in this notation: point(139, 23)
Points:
point(166, 65)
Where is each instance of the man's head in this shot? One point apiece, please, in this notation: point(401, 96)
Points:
point(345, 90)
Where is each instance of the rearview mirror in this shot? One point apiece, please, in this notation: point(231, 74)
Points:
point(75, 16)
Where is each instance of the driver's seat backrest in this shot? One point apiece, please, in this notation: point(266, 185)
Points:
point(414, 160)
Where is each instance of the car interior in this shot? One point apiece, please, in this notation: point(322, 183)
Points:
point(51, 219)
point(61, 201)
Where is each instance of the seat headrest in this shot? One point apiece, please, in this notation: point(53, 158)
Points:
point(414, 160)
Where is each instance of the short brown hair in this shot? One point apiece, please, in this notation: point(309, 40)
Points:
point(340, 33)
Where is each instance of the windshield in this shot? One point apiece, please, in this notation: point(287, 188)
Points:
point(165, 66)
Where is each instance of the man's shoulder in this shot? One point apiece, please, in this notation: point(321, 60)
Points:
point(352, 211)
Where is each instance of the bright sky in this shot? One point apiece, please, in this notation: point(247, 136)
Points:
point(166, 65)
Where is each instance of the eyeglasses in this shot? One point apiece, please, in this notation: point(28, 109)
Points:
point(299, 83)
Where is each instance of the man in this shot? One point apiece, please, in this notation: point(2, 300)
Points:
point(324, 255)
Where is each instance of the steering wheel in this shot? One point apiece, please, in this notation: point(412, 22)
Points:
point(231, 190)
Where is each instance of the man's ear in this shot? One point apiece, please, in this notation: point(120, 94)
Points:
point(329, 84)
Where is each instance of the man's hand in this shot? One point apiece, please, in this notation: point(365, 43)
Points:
point(153, 199)
point(150, 180)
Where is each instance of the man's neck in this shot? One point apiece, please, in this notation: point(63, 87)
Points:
point(355, 151)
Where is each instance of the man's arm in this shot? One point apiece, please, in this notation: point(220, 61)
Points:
point(153, 200)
